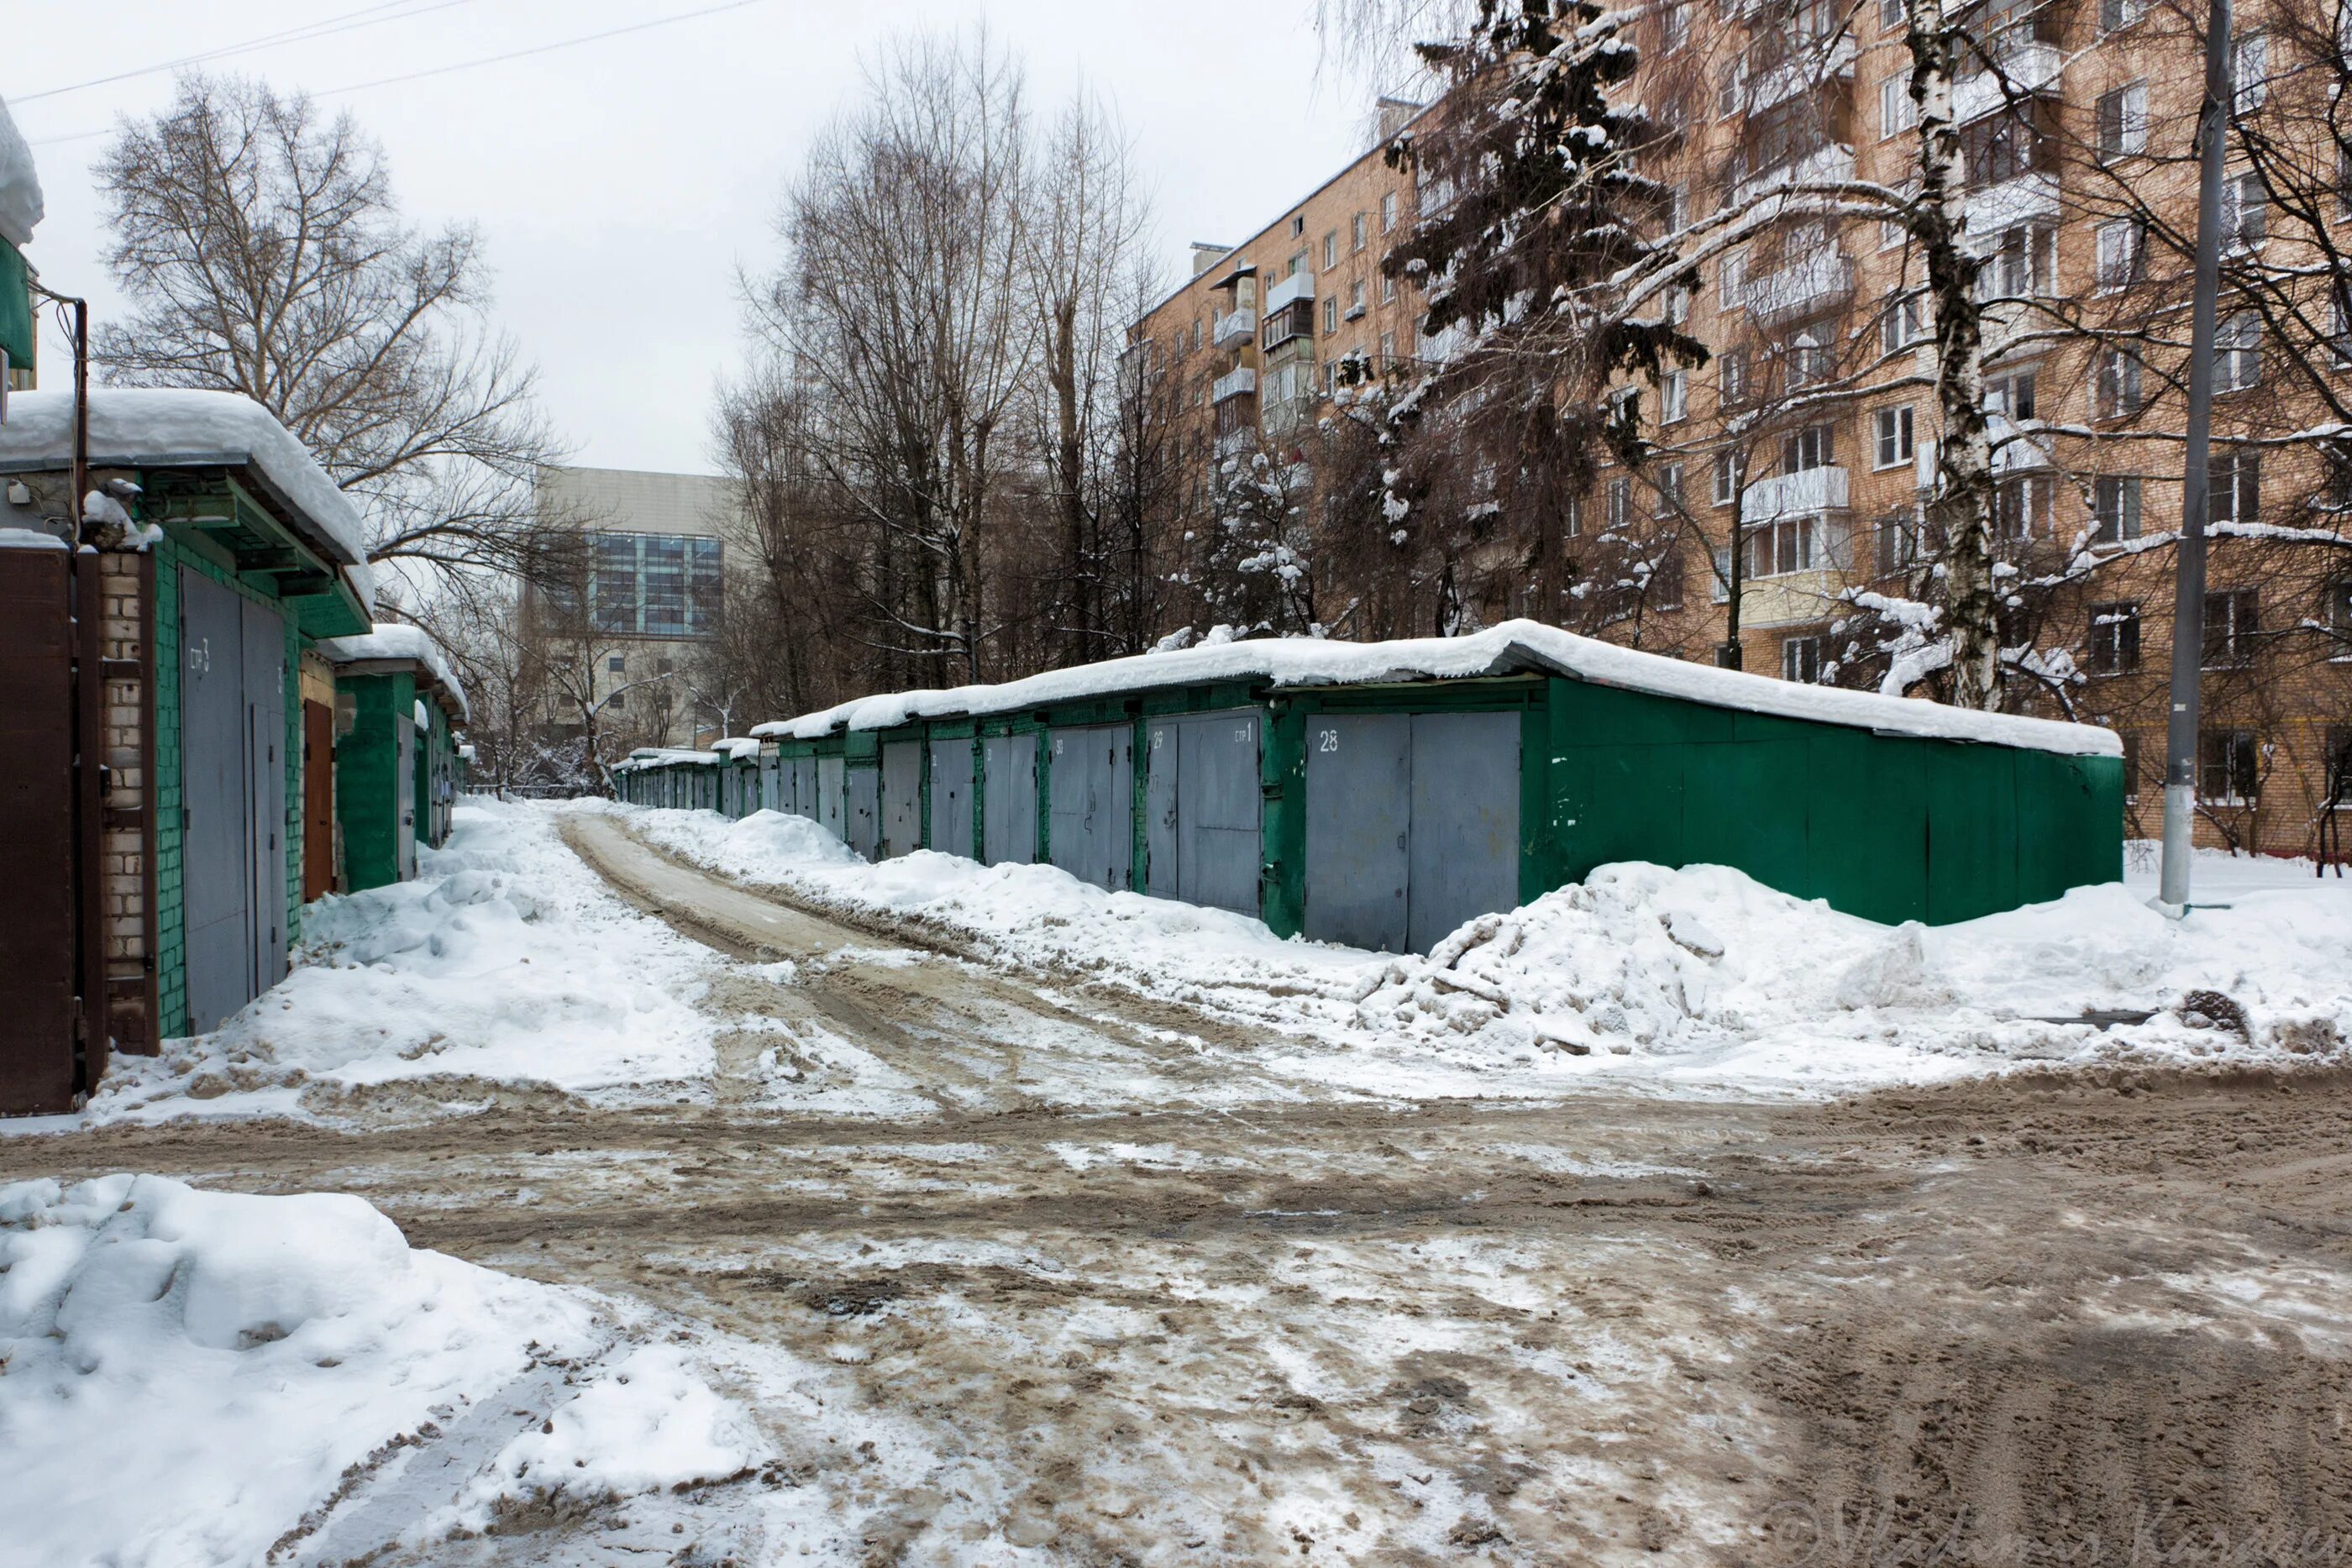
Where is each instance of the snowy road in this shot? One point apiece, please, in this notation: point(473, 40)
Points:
point(1002, 1276)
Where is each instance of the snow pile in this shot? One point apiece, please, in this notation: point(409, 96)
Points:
point(398, 639)
point(1514, 646)
point(184, 1375)
point(506, 960)
point(648, 1423)
point(1712, 971)
point(175, 428)
point(20, 184)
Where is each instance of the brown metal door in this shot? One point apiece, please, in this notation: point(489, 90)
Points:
point(37, 947)
point(318, 800)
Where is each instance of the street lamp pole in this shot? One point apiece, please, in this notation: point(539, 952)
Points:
point(2189, 601)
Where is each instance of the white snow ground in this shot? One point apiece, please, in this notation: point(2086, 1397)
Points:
point(1698, 980)
point(259, 1363)
point(506, 961)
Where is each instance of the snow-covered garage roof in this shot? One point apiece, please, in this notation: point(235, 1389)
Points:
point(138, 427)
point(1515, 647)
point(398, 639)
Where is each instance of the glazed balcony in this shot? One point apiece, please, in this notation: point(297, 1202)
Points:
point(1818, 283)
point(1234, 327)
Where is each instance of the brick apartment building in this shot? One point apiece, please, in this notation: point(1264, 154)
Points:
point(1812, 428)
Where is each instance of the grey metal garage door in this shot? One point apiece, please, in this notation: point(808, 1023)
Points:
point(804, 788)
point(216, 868)
point(1093, 803)
point(265, 753)
point(1009, 800)
point(865, 811)
point(832, 786)
point(902, 797)
point(1413, 825)
point(1202, 804)
point(1359, 805)
point(951, 826)
point(1466, 821)
point(775, 784)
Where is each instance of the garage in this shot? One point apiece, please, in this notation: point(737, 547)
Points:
point(864, 812)
point(1093, 803)
point(1202, 807)
point(951, 824)
point(902, 797)
point(831, 809)
point(1413, 825)
point(1009, 799)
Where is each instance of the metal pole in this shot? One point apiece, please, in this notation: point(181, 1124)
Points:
point(2189, 602)
point(81, 418)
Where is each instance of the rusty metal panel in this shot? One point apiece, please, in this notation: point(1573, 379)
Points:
point(36, 843)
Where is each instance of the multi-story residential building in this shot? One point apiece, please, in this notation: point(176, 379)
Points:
point(637, 587)
point(1811, 434)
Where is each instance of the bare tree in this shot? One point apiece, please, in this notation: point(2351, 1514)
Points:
point(263, 252)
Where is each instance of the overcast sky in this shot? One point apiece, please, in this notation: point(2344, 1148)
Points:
point(619, 183)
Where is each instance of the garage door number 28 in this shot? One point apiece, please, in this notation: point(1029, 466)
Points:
point(1327, 741)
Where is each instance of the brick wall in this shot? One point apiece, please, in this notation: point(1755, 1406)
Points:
point(123, 646)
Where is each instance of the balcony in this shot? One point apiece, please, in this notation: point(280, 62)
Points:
point(1296, 288)
point(1832, 161)
point(1292, 321)
point(1242, 383)
point(2016, 449)
point(2025, 67)
point(1816, 62)
point(1808, 490)
point(1234, 327)
point(1821, 280)
point(1996, 209)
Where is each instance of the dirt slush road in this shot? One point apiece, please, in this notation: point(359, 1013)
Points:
point(1222, 1319)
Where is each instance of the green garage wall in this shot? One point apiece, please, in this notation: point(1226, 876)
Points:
point(367, 785)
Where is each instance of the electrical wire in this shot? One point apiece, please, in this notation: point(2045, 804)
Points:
point(466, 65)
point(325, 27)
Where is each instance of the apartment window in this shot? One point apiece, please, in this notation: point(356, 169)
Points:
point(2122, 122)
point(655, 585)
point(1777, 547)
point(2228, 766)
point(2010, 395)
point(1677, 208)
point(1815, 446)
point(2117, 14)
point(1904, 323)
point(2339, 325)
point(2335, 488)
point(1674, 397)
point(2339, 766)
point(2020, 265)
point(1571, 526)
point(2231, 623)
point(1731, 89)
point(2238, 353)
point(1621, 504)
point(2114, 509)
point(1808, 357)
point(618, 702)
point(2234, 488)
point(1355, 232)
point(1330, 314)
point(2252, 72)
point(1388, 349)
point(1388, 288)
point(1891, 428)
point(1677, 306)
point(1673, 28)
point(1388, 210)
point(2118, 389)
point(2021, 507)
point(1355, 299)
point(2115, 638)
point(1330, 250)
point(1666, 585)
point(1801, 659)
point(1731, 281)
point(1732, 370)
point(1902, 541)
point(1720, 592)
point(2246, 211)
point(1891, 14)
point(1298, 226)
point(1670, 490)
point(1898, 111)
point(617, 664)
point(2122, 253)
point(1726, 478)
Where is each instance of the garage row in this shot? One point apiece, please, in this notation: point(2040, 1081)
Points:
point(1381, 795)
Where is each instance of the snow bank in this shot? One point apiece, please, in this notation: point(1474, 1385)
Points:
point(20, 184)
point(1710, 969)
point(170, 428)
point(184, 1375)
point(398, 639)
point(1515, 646)
point(506, 960)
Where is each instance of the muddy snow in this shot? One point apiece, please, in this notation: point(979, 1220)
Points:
point(709, 1196)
